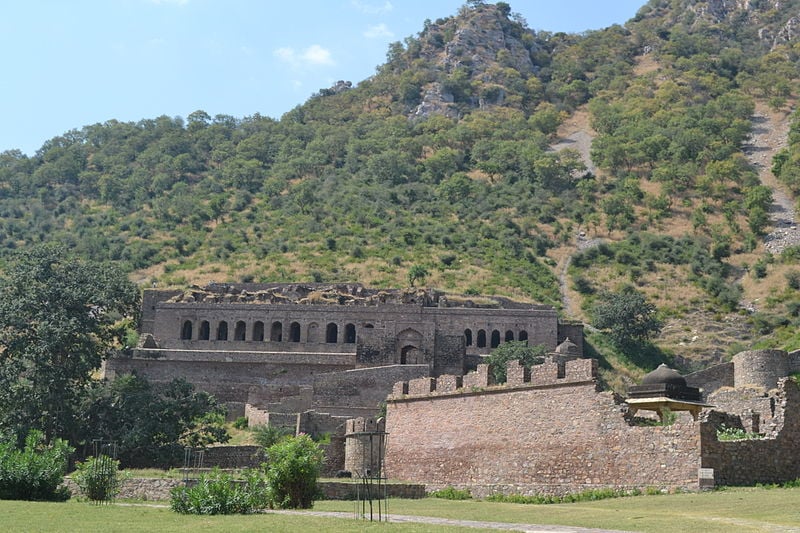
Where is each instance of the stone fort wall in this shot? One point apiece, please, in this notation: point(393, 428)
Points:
point(539, 435)
point(552, 433)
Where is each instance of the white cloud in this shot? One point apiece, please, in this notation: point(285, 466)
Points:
point(380, 30)
point(173, 2)
point(313, 56)
point(372, 9)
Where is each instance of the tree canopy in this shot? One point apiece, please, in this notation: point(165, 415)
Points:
point(513, 351)
point(59, 318)
point(627, 315)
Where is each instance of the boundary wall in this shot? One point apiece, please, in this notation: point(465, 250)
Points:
point(543, 433)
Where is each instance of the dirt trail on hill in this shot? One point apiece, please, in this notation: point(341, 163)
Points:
point(770, 134)
point(576, 134)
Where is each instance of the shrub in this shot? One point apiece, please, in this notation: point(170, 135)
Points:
point(266, 436)
point(98, 478)
point(35, 472)
point(451, 493)
point(218, 493)
point(240, 423)
point(760, 269)
point(793, 279)
point(725, 433)
point(586, 495)
point(292, 472)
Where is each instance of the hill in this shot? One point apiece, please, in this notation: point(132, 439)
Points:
point(445, 160)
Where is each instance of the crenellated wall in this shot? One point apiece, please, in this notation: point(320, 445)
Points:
point(539, 433)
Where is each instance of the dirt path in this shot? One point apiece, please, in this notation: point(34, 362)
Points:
point(576, 134)
point(770, 134)
point(472, 524)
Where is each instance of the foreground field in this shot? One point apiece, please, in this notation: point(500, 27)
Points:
point(741, 510)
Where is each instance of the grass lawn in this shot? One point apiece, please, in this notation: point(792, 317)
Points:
point(740, 510)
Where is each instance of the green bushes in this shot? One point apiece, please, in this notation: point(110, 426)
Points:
point(35, 472)
point(583, 496)
point(725, 433)
point(451, 493)
point(218, 493)
point(98, 478)
point(287, 481)
point(292, 472)
point(265, 436)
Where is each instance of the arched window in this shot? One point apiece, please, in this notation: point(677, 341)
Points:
point(468, 336)
point(222, 331)
point(258, 331)
point(495, 339)
point(523, 335)
point(294, 332)
point(240, 333)
point(481, 339)
point(205, 331)
point(276, 332)
point(509, 335)
point(369, 326)
point(186, 330)
point(350, 333)
point(332, 333)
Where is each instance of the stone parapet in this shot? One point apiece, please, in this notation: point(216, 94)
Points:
point(544, 375)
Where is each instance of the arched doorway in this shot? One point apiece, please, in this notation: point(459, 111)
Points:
point(410, 343)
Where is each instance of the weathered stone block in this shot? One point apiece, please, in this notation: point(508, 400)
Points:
point(400, 388)
point(421, 386)
point(544, 374)
point(517, 374)
point(477, 379)
point(581, 370)
point(448, 383)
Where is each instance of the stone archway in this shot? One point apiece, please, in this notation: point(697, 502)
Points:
point(410, 343)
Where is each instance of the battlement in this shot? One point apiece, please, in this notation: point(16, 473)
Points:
point(548, 374)
point(359, 425)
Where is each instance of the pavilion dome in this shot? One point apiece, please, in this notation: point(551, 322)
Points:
point(568, 348)
point(664, 374)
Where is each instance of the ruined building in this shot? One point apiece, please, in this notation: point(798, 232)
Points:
point(276, 352)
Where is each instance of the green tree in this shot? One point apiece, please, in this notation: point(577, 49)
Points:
point(59, 318)
point(627, 315)
point(513, 351)
point(151, 424)
point(417, 272)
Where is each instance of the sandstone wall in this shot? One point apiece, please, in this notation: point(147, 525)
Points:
point(712, 378)
point(547, 436)
point(774, 459)
point(362, 387)
point(760, 368)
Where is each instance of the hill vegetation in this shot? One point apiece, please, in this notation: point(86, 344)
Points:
point(441, 161)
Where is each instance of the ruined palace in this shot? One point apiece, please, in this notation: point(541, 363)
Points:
point(275, 351)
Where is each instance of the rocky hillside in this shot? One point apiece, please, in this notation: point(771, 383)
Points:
point(482, 158)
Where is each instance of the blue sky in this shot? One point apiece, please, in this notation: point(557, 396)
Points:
point(71, 63)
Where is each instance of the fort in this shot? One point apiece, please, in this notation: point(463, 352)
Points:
point(273, 352)
point(322, 358)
